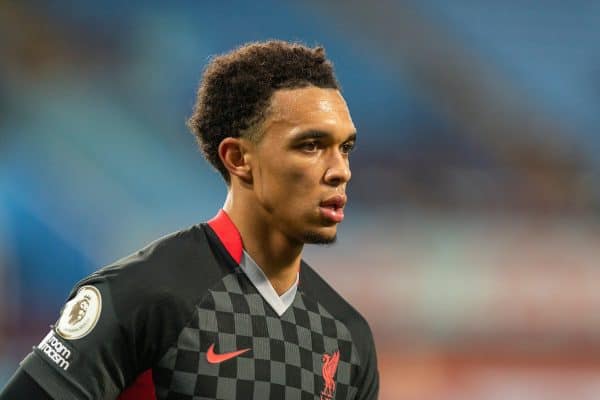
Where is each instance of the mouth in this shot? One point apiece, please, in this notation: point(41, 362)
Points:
point(333, 208)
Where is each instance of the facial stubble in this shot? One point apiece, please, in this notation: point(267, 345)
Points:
point(316, 238)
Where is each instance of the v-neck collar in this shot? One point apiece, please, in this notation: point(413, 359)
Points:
point(231, 239)
point(260, 281)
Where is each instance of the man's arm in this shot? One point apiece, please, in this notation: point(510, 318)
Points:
point(86, 355)
point(368, 388)
point(22, 386)
point(367, 381)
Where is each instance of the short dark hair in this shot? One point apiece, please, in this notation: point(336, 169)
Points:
point(236, 89)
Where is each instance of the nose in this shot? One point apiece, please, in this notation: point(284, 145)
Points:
point(338, 171)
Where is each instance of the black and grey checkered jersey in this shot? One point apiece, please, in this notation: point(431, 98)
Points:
point(167, 307)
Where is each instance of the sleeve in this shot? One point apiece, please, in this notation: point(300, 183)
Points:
point(368, 383)
point(21, 386)
point(87, 354)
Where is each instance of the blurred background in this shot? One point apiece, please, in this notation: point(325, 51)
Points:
point(471, 242)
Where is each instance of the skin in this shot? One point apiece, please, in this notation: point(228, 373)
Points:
point(279, 181)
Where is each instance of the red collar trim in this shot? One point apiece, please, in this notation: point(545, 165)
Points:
point(228, 234)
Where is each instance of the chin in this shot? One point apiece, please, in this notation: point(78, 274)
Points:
point(316, 237)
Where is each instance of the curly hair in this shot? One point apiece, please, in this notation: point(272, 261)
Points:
point(236, 88)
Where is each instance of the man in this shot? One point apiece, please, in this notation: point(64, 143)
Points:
point(228, 309)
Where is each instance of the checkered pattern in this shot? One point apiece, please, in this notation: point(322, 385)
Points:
point(285, 361)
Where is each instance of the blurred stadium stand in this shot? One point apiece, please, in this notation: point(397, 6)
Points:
point(473, 192)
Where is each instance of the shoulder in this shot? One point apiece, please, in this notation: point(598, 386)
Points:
point(178, 263)
point(313, 285)
point(153, 292)
point(174, 250)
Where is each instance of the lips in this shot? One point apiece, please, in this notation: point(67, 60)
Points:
point(333, 208)
point(337, 201)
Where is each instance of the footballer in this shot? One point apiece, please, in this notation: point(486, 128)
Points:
point(227, 309)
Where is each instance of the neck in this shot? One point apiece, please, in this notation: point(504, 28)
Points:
point(277, 255)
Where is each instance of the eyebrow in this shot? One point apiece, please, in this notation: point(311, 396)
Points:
point(317, 134)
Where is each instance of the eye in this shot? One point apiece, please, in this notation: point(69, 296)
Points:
point(347, 147)
point(309, 146)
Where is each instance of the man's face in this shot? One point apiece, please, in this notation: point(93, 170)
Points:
point(300, 165)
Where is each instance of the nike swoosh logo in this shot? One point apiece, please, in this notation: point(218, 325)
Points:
point(215, 358)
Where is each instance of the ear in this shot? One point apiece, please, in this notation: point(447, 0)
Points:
point(235, 156)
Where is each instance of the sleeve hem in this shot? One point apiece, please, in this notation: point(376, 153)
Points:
point(53, 383)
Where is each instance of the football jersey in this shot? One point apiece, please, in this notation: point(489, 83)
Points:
point(182, 315)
